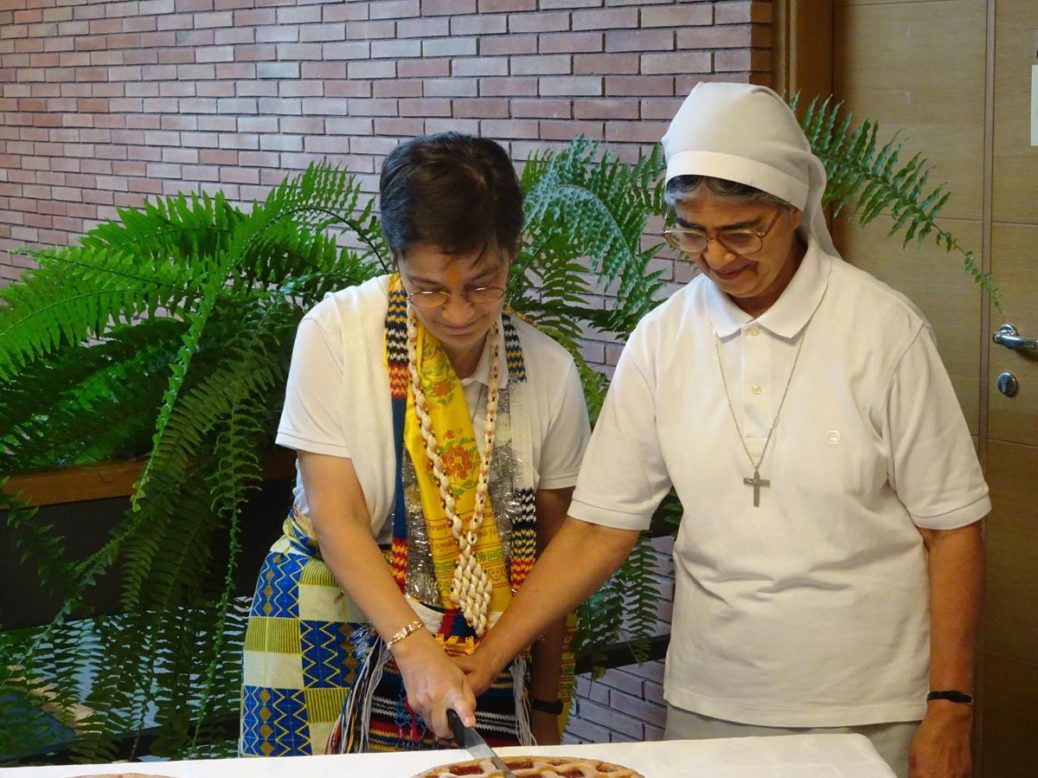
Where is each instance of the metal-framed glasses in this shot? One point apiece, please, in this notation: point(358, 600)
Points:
point(477, 295)
point(693, 242)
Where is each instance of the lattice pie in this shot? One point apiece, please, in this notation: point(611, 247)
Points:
point(534, 767)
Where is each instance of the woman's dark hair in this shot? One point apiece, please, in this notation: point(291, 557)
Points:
point(685, 187)
point(455, 191)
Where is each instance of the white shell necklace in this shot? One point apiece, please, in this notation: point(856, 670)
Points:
point(471, 587)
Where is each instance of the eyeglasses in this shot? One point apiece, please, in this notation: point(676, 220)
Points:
point(694, 242)
point(477, 295)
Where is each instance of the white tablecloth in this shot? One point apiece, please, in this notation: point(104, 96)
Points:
point(791, 756)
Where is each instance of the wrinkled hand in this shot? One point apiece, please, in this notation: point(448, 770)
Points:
point(434, 683)
point(478, 674)
point(941, 746)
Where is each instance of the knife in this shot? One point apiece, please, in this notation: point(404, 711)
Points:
point(474, 743)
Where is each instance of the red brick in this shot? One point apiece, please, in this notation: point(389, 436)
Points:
point(423, 27)
point(458, 46)
point(499, 6)
point(567, 130)
point(508, 44)
point(682, 15)
point(678, 62)
point(484, 24)
point(742, 60)
point(322, 32)
point(481, 108)
point(397, 88)
point(541, 64)
point(306, 125)
point(570, 42)
point(233, 35)
point(340, 89)
point(571, 85)
point(396, 127)
point(425, 107)
point(301, 15)
point(345, 12)
point(366, 31)
point(606, 64)
point(743, 11)
point(395, 9)
point(176, 56)
point(258, 158)
point(538, 22)
point(512, 87)
point(717, 37)
point(323, 70)
point(640, 40)
point(547, 108)
point(480, 66)
point(447, 7)
point(255, 17)
point(424, 68)
point(470, 126)
point(605, 108)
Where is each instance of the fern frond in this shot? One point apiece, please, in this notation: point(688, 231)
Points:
point(583, 202)
point(871, 181)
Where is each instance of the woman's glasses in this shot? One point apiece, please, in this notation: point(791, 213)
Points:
point(478, 295)
point(693, 242)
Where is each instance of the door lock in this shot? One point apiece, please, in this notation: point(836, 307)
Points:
point(1007, 384)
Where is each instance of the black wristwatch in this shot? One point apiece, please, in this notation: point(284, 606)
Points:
point(952, 695)
point(546, 706)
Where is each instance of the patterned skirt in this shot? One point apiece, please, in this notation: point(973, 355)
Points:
point(305, 647)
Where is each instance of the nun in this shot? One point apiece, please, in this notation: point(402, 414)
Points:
point(828, 563)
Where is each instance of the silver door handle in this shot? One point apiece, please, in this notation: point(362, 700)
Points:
point(1007, 336)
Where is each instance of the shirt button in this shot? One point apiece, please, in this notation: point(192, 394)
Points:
point(756, 389)
point(754, 331)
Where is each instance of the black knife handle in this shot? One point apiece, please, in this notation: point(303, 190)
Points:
point(456, 725)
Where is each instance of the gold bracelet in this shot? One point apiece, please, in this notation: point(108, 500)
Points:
point(404, 631)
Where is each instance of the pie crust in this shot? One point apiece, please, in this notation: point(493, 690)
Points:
point(534, 767)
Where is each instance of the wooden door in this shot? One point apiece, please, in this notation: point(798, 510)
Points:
point(954, 77)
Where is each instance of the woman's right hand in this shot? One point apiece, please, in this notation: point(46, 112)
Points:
point(478, 673)
point(434, 683)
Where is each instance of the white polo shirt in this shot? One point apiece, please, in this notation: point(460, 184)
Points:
point(337, 401)
point(812, 609)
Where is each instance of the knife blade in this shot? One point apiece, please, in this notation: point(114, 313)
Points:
point(474, 743)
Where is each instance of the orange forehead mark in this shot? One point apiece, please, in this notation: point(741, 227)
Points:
point(452, 275)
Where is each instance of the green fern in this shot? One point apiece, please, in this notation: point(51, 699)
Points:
point(871, 179)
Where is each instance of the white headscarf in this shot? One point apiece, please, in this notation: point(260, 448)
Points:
point(747, 133)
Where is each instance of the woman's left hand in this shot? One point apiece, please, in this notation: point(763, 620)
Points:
point(941, 746)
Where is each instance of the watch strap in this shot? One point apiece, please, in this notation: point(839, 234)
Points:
point(952, 695)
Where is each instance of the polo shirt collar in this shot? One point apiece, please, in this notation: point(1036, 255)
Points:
point(790, 313)
point(482, 372)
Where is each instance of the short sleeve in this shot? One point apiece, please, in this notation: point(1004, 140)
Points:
point(312, 416)
point(933, 466)
point(624, 478)
point(568, 431)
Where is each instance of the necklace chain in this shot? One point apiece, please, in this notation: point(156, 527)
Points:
point(471, 587)
point(756, 482)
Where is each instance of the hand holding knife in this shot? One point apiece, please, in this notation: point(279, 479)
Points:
point(474, 743)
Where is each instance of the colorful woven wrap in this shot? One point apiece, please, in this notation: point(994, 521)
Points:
point(317, 676)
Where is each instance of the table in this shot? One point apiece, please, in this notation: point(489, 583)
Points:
point(788, 756)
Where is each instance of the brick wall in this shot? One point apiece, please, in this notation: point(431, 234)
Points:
point(103, 104)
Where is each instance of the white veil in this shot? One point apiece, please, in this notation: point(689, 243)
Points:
point(747, 133)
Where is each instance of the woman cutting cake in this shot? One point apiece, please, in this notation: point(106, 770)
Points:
point(438, 440)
